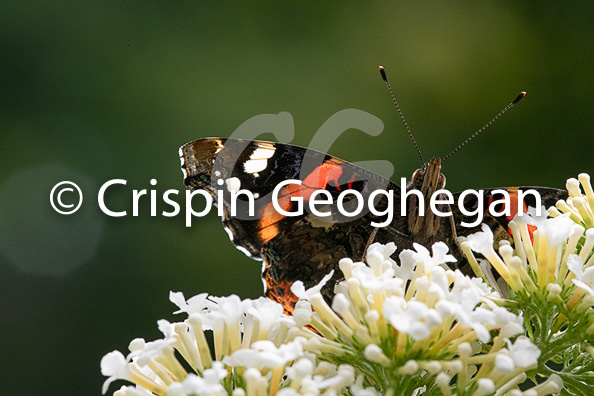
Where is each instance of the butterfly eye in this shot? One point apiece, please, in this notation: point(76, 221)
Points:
point(441, 182)
point(417, 178)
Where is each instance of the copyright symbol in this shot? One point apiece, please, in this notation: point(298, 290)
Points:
point(56, 195)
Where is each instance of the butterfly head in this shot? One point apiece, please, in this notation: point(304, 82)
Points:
point(427, 181)
point(429, 178)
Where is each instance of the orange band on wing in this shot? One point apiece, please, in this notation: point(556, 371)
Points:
point(280, 291)
point(513, 198)
point(514, 205)
point(329, 171)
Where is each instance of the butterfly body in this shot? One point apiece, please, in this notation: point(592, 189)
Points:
point(306, 247)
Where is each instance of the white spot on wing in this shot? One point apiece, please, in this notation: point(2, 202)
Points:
point(263, 152)
point(182, 162)
point(233, 184)
point(255, 165)
point(259, 159)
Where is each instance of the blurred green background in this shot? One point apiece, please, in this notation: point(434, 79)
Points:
point(92, 91)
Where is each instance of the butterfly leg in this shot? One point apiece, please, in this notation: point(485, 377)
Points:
point(457, 243)
point(397, 236)
point(369, 242)
point(397, 233)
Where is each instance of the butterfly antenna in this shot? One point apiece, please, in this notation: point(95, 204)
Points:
point(487, 125)
point(383, 73)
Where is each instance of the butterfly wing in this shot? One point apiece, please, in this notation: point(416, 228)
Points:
point(303, 247)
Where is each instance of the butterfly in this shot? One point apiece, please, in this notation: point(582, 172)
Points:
point(307, 246)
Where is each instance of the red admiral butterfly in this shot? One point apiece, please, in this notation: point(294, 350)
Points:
point(307, 247)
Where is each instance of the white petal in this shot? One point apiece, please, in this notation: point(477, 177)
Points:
point(113, 363)
point(481, 242)
point(504, 363)
point(524, 352)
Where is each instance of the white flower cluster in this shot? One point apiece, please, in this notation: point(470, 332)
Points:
point(417, 324)
point(549, 273)
point(252, 354)
point(414, 327)
point(579, 205)
point(424, 299)
point(550, 254)
point(420, 320)
point(580, 208)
